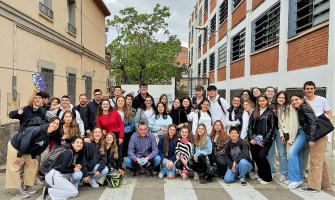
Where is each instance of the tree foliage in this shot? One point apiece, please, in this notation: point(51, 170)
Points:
point(137, 55)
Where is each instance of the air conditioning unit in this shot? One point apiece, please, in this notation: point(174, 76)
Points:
point(111, 81)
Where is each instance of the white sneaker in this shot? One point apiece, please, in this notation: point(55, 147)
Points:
point(282, 178)
point(259, 179)
point(38, 181)
point(256, 175)
point(274, 174)
point(93, 183)
point(294, 185)
point(264, 182)
point(196, 176)
point(28, 189)
point(76, 184)
point(161, 175)
point(252, 175)
point(287, 182)
point(21, 194)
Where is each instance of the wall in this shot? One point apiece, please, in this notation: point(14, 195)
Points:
point(222, 74)
point(237, 69)
point(265, 61)
point(239, 13)
point(7, 131)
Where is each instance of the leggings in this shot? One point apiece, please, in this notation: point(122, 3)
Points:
point(260, 156)
point(200, 166)
point(61, 187)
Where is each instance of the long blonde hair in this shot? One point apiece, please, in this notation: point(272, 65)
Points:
point(114, 149)
point(74, 131)
point(201, 140)
point(128, 115)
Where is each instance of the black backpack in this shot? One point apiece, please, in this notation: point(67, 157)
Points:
point(50, 159)
point(31, 123)
point(199, 115)
point(73, 112)
point(219, 102)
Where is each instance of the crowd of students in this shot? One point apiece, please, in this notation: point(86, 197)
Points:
point(200, 134)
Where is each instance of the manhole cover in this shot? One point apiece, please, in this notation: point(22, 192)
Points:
point(2, 170)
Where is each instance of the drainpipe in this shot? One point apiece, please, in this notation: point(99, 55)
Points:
point(14, 91)
point(81, 36)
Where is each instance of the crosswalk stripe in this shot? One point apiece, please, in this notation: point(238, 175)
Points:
point(125, 191)
point(237, 191)
point(178, 189)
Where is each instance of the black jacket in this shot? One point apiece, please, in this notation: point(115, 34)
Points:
point(111, 161)
point(28, 113)
point(263, 126)
point(178, 116)
point(91, 115)
point(93, 156)
point(238, 115)
point(272, 106)
point(138, 101)
point(68, 160)
point(240, 151)
point(306, 117)
point(34, 141)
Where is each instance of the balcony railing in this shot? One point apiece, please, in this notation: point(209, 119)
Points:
point(71, 29)
point(46, 11)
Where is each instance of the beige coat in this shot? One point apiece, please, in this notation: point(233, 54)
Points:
point(288, 123)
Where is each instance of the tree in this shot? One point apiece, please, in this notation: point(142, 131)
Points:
point(137, 55)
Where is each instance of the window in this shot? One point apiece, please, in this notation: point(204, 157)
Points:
point(205, 6)
point(223, 12)
point(200, 15)
point(189, 37)
point(266, 28)
point(205, 34)
point(45, 7)
point(235, 3)
point(223, 55)
point(204, 64)
point(192, 53)
point(88, 87)
point(192, 32)
point(48, 77)
point(71, 87)
point(199, 42)
point(213, 24)
point(238, 45)
point(212, 61)
point(71, 25)
point(305, 14)
point(189, 56)
point(199, 69)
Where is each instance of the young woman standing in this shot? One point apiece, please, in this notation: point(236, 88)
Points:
point(246, 95)
point(59, 175)
point(255, 92)
point(178, 115)
point(260, 134)
point(187, 107)
point(319, 175)
point(203, 117)
point(184, 151)
point(164, 99)
point(146, 112)
point(203, 148)
point(166, 147)
point(219, 140)
point(159, 122)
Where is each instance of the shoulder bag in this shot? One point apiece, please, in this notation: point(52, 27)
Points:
point(324, 126)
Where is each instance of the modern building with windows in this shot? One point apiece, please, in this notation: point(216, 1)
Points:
point(258, 43)
point(62, 40)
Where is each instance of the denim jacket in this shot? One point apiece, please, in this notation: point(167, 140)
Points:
point(128, 126)
point(204, 151)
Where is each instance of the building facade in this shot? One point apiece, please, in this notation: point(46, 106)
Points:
point(264, 43)
point(62, 40)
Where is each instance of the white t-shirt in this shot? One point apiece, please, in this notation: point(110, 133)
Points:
point(148, 113)
point(320, 105)
point(121, 115)
point(112, 102)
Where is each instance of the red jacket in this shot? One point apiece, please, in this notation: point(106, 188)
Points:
point(111, 123)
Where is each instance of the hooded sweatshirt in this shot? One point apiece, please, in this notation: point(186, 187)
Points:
point(216, 109)
point(79, 121)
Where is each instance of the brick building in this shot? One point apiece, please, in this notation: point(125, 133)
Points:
point(262, 43)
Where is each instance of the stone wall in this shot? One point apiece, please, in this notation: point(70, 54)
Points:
point(7, 131)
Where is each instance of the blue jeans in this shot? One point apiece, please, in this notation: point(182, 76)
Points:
point(167, 170)
point(295, 172)
point(134, 165)
point(103, 172)
point(77, 176)
point(242, 168)
point(281, 148)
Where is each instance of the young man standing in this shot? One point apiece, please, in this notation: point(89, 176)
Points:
point(117, 92)
point(130, 99)
point(81, 107)
point(199, 90)
point(45, 101)
point(91, 112)
point(219, 105)
point(140, 98)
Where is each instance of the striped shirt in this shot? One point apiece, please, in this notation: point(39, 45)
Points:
point(142, 146)
point(182, 149)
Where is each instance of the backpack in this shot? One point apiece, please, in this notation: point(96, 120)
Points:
point(219, 102)
point(30, 124)
point(73, 112)
point(50, 159)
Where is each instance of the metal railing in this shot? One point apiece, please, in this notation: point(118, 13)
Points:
point(72, 29)
point(46, 11)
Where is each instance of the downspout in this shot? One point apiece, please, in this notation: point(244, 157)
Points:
point(81, 36)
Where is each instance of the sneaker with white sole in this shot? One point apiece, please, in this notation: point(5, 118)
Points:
point(196, 176)
point(45, 193)
point(38, 181)
point(294, 185)
point(287, 182)
point(274, 174)
point(161, 175)
point(309, 190)
point(256, 175)
point(264, 182)
point(252, 175)
point(282, 178)
point(76, 184)
point(259, 179)
point(243, 182)
point(93, 183)
point(81, 182)
point(28, 189)
point(21, 193)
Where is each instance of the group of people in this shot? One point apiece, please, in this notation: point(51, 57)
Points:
point(203, 134)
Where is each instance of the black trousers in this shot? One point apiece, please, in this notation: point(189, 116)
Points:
point(259, 155)
point(200, 166)
point(119, 151)
point(179, 165)
point(220, 163)
point(126, 140)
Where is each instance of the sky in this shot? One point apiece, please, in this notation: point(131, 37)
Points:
point(180, 10)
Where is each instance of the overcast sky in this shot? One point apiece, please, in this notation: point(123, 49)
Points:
point(180, 10)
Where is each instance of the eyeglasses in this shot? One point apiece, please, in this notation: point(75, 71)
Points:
point(143, 88)
point(245, 95)
point(148, 101)
point(97, 94)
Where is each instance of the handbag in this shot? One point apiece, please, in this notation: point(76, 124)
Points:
point(324, 126)
point(212, 170)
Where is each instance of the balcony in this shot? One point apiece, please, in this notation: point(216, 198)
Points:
point(71, 29)
point(46, 11)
